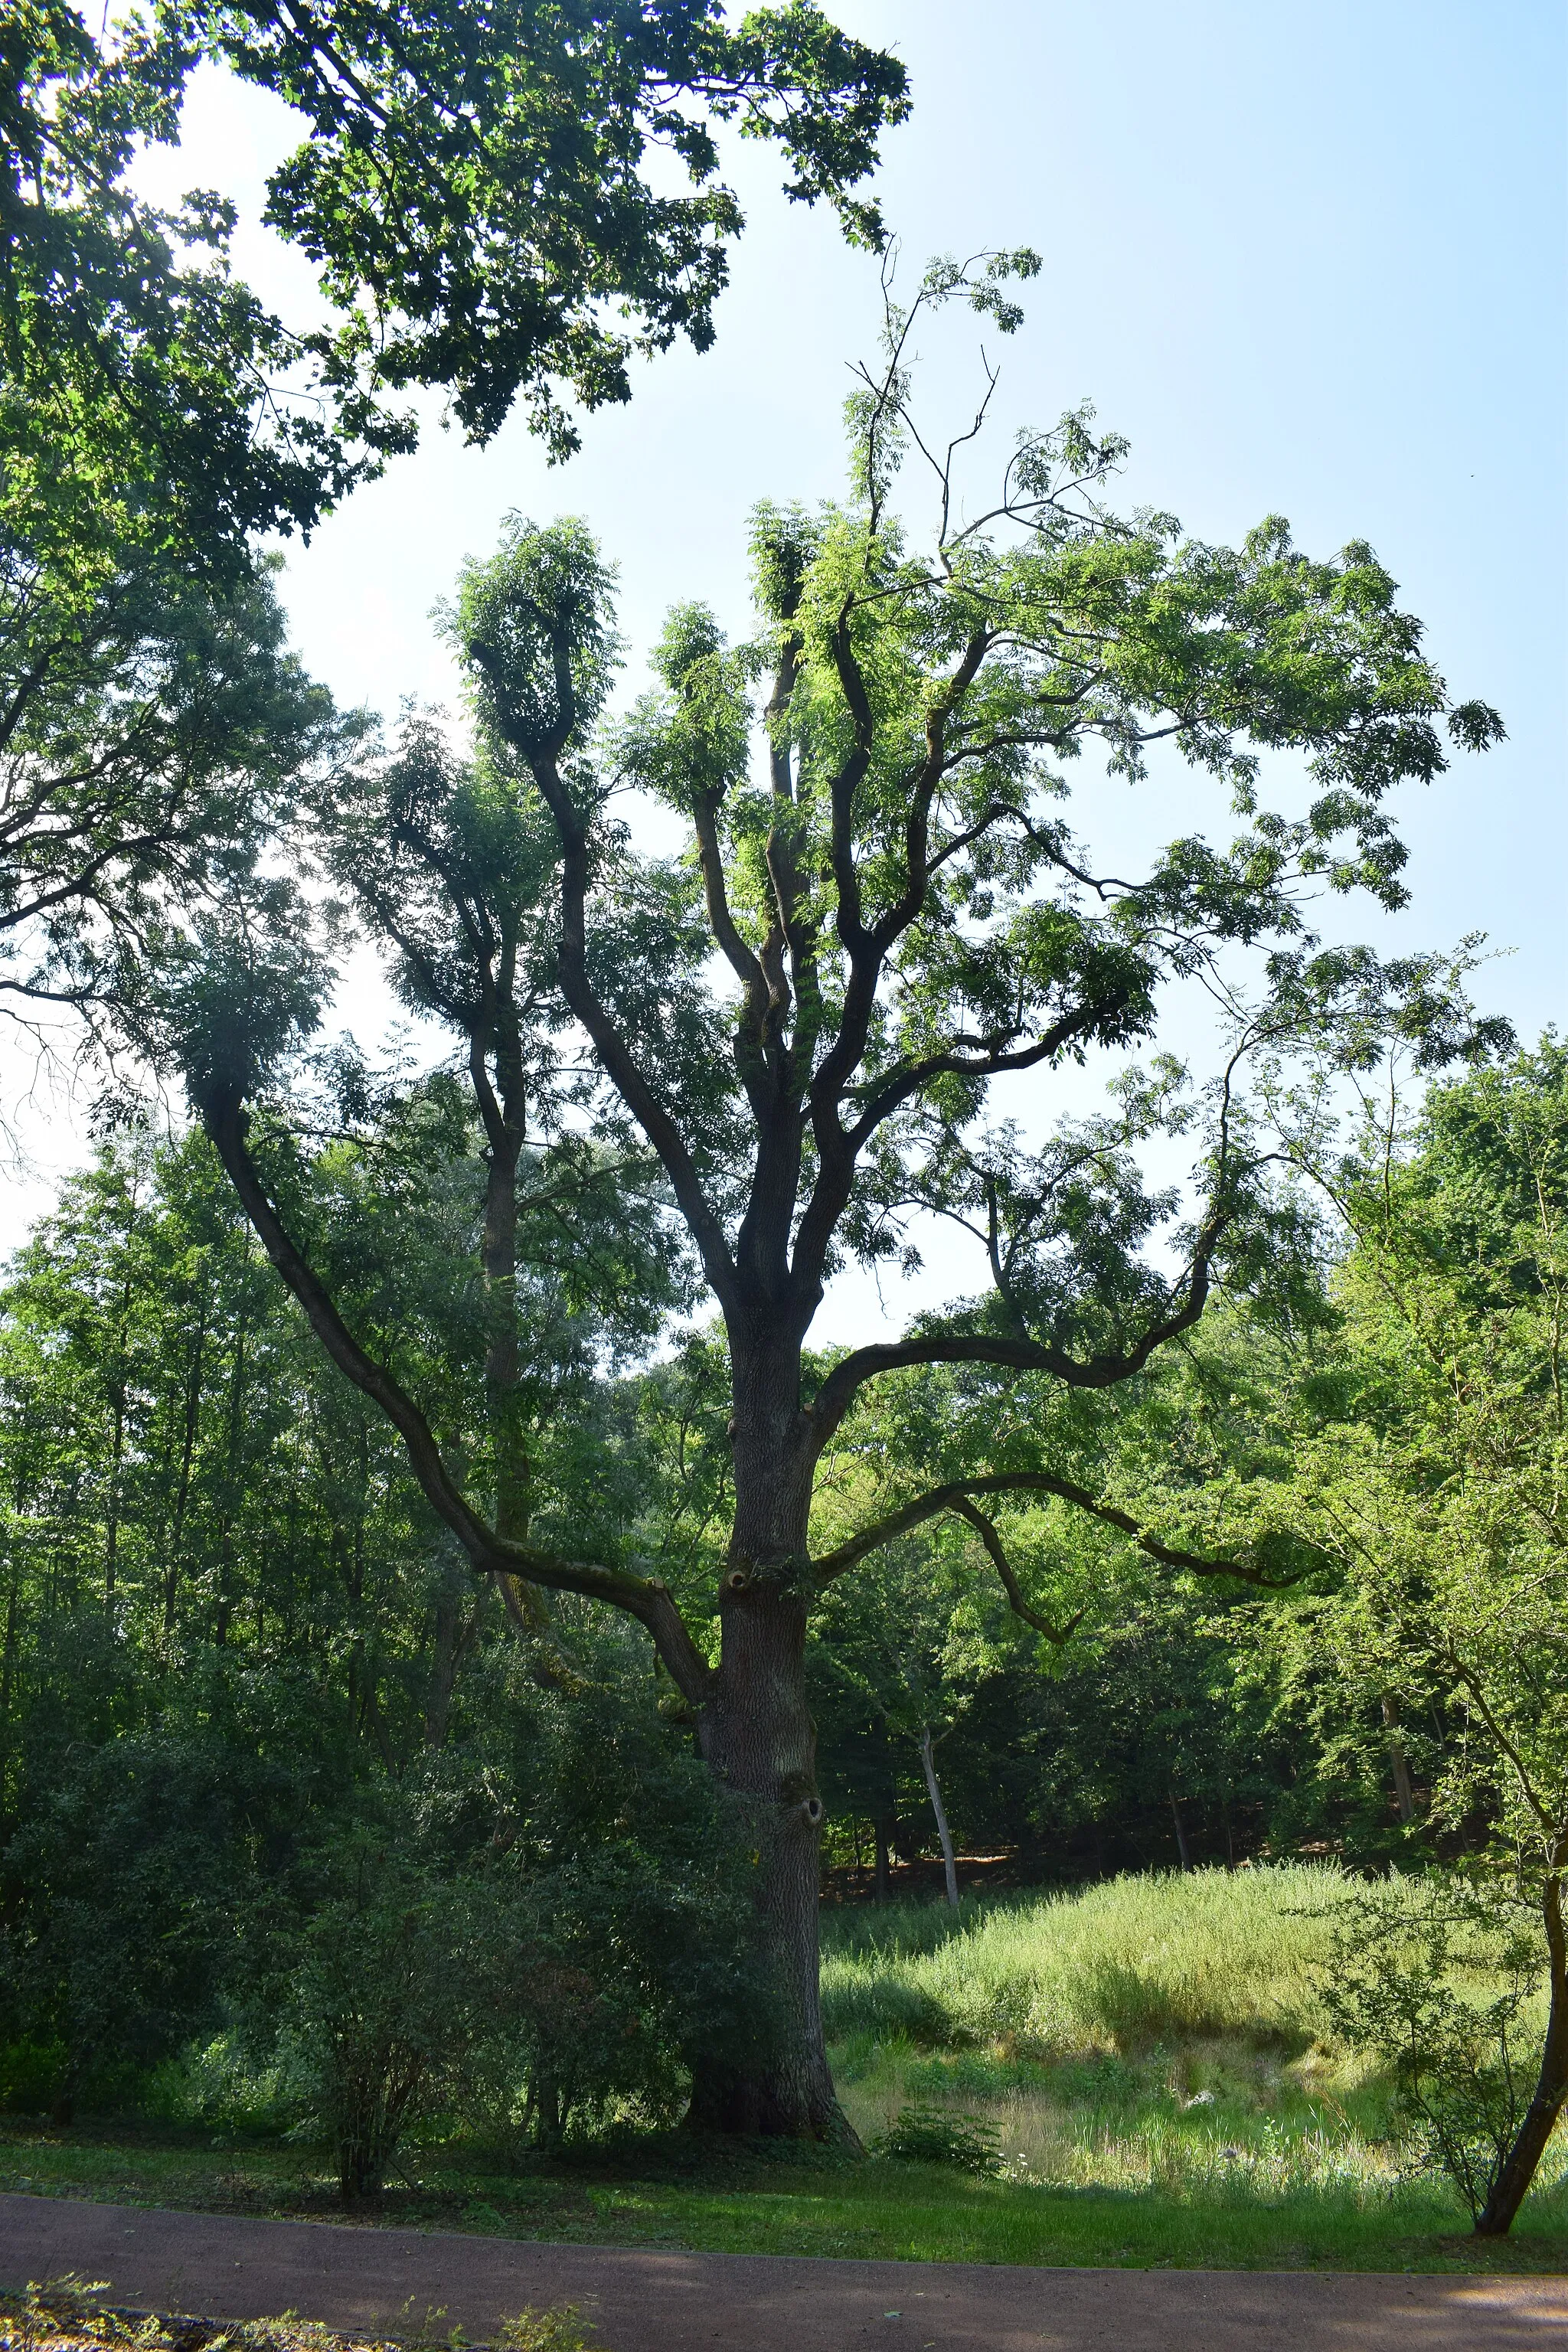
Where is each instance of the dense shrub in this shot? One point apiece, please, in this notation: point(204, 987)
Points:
point(548, 1931)
point(128, 1880)
point(625, 1889)
point(385, 2000)
point(928, 2134)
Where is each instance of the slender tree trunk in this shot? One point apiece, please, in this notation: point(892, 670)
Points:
point(503, 1355)
point(1404, 1789)
point(231, 1494)
point(884, 1827)
point(1182, 1847)
point(112, 1528)
point(457, 1622)
point(119, 1396)
point(1551, 2083)
point(8, 1666)
point(505, 1132)
point(881, 1828)
point(187, 1456)
point(933, 1788)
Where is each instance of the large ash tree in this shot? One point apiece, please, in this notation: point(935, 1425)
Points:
point(908, 926)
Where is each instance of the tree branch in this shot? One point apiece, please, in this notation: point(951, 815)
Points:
point(620, 1065)
point(955, 1496)
point(648, 1599)
point(838, 1391)
point(985, 1529)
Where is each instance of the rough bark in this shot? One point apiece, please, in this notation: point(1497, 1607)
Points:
point(1520, 2166)
point(757, 1734)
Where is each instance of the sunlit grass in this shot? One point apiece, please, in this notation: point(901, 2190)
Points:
point(1211, 1953)
point(1155, 2036)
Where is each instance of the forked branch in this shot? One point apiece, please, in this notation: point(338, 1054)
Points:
point(960, 1492)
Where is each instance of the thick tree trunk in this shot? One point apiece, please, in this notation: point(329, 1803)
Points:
point(933, 1789)
point(758, 1736)
point(1551, 2084)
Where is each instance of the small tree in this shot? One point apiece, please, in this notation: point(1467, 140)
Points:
point(907, 921)
point(1433, 1481)
point(1393, 1984)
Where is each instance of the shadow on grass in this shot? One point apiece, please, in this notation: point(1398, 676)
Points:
point(674, 2190)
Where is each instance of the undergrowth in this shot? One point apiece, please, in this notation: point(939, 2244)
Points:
point(1143, 2072)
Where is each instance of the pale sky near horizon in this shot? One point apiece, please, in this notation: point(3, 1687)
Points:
point(1309, 261)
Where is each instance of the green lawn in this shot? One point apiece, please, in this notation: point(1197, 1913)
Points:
point(751, 2205)
point(1149, 2054)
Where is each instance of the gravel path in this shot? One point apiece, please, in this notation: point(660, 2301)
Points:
point(386, 2280)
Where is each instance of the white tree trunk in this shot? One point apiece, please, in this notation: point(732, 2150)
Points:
point(928, 1765)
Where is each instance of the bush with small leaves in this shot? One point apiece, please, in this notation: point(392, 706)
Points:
point(558, 2329)
point(1436, 1983)
point(927, 2135)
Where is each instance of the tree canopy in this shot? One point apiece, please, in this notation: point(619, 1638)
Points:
point(474, 189)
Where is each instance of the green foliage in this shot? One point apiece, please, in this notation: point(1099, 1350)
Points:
point(558, 2329)
point(227, 1613)
point(155, 733)
point(926, 2135)
point(1437, 1986)
point(1422, 1486)
point(522, 220)
point(149, 400)
point(624, 1893)
point(130, 1866)
point(1049, 631)
point(380, 2016)
point(143, 418)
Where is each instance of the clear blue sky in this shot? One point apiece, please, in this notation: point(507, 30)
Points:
point(1310, 260)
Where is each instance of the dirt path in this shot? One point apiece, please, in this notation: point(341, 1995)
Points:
point(386, 2280)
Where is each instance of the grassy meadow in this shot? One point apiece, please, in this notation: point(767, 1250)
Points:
point(1157, 2039)
point(1149, 2053)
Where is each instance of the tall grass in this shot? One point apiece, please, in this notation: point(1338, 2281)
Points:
point(1120, 1965)
point(1161, 2036)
